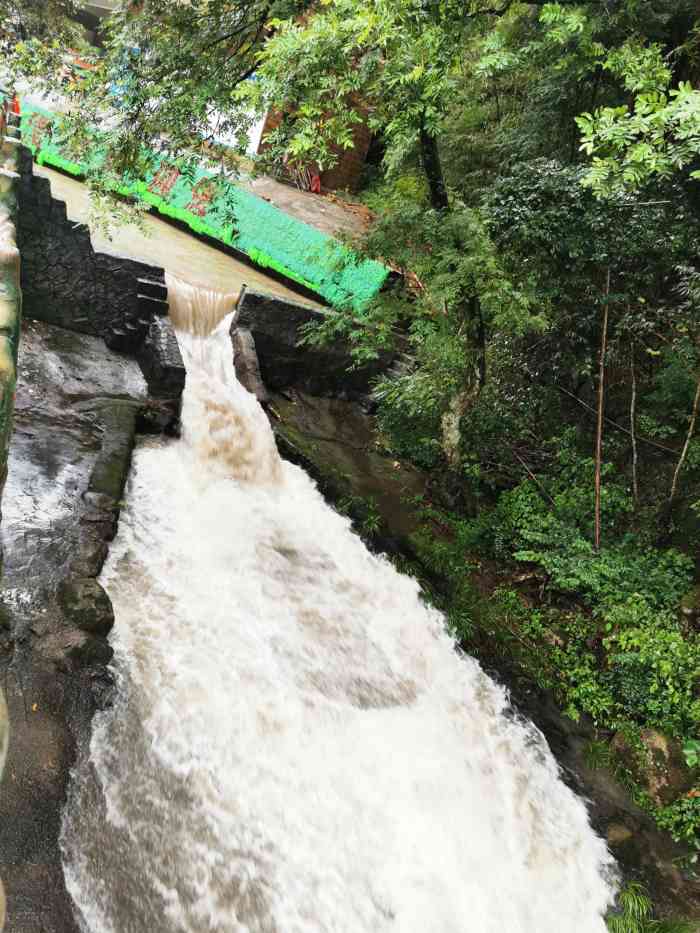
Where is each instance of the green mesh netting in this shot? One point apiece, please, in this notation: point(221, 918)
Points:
point(268, 236)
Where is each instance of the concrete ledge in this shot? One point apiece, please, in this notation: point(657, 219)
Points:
point(277, 327)
point(10, 294)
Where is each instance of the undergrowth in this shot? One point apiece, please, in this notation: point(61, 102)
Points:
point(602, 631)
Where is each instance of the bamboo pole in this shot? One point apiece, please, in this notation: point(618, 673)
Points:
point(601, 403)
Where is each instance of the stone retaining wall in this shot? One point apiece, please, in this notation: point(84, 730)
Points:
point(277, 328)
point(67, 283)
point(10, 294)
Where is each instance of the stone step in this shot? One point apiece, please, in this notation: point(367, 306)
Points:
point(148, 306)
point(59, 212)
point(117, 338)
point(152, 288)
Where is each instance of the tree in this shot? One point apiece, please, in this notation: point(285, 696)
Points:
point(689, 290)
point(50, 20)
point(392, 63)
point(658, 136)
point(396, 64)
point(168, 80)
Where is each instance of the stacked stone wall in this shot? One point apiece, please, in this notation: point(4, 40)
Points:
point(67, 283)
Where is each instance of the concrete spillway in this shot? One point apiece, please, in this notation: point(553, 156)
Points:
point(163, 244)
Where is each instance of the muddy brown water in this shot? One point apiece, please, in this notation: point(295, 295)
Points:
point(163, 244)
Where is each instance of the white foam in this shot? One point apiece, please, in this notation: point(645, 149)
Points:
point(297, 747)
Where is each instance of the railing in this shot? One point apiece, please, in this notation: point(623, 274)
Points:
point(6, 100)
point(4, 106)
point(4, 729)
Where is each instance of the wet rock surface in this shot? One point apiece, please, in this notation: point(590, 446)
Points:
point(78, 404)
point(247, 365)
point(658, 764)
point(334, 441)
point(161, 361)
point(86, 606)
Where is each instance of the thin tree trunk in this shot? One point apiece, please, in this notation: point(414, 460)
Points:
point(596, 86)
point(633, 426)
point(430, 157)
point(601, 402)
point(684, 452)
point(478, 317)
point(466, 398)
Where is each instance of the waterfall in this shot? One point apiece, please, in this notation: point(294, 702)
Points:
point(296, 746)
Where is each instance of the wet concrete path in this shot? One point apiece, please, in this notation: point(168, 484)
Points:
point(74, 397)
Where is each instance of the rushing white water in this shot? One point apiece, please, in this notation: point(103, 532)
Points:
point(297, 747)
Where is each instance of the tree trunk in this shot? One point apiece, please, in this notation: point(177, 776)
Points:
point(633, 426)
point(477, 317)
point(601, 403)
point(684, 452)
point(430, 157)
point(462, 401)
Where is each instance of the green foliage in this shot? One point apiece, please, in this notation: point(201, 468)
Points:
point(634, 914)
point(438, 319)
point(176, 98)
point(364, 513)
point(652, 667)
point(49, 20)
point(549, 523)
point(691, 752)
point(682, 820)
point(627, 658)
point(598, 756)
point(604, 634)
point(395, 56)
point(658, 137)
point(634, 907)
point(414, 436)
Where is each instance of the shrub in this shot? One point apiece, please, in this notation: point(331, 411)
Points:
point(652, 667)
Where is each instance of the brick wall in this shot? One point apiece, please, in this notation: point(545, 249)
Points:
point(347, 173)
